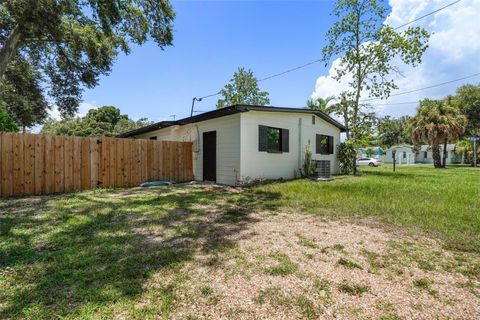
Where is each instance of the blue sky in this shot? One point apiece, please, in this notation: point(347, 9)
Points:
point(213, 38)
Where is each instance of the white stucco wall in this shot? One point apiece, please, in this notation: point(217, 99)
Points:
point(255, 164)
point(228, 145)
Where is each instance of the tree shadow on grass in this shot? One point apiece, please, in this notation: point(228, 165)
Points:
point(398, 174)
point(93, 250)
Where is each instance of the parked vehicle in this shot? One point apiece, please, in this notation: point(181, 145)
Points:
point(372, 162)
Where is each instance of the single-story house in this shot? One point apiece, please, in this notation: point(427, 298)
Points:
point(425, 154)
point(404, 154)
point(408, 154)
point(242, 143)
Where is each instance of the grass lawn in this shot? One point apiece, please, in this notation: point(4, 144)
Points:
point(384, 245)
point(442, 202)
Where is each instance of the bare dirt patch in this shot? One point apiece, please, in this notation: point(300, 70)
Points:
point(209, 252)
point(297, 266)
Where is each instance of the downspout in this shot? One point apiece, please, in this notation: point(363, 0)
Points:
point(197, 144)
point(195, 139)
point(299, 143)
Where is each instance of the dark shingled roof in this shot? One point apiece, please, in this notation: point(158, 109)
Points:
point(228, 111)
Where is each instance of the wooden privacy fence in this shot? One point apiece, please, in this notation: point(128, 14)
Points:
point(39, 164)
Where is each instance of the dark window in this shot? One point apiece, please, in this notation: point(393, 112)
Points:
point(153, 138)
point(324, 144)
point(404, 154)
point(425, 154)
point(313, 119)
point(272, 139)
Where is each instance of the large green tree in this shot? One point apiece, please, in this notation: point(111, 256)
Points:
point(70, 43)
point(342, 108)
point(367, 49)
point(243, 89)
point(23, 95)
point(392, 131)
point(103, 121)
point(468, 100)
point(437, 122)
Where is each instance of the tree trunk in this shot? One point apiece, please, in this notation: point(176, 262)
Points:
point(9, 49)
point(358, 75)
point(437, 159)
point(445, 153)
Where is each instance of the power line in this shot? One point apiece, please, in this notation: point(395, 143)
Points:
point(393, 103)
point(210, 95)
point(429, 87)
point(426, 15)
point(320, 60)
point(290, 70)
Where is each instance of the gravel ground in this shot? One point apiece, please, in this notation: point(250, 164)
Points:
point(287, 266)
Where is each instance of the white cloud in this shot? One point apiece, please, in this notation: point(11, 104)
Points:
point(455, 30)
point(328, 86)
point(85, 106)
point(82, 110)
point(454, 51)
point(55, 114)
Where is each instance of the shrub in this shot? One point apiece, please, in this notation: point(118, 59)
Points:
point(308, 168)
point(346, 157)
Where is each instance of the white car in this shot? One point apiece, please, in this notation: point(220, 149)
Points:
point(372, 162)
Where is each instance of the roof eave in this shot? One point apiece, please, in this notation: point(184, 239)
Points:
point(229, 111)
point(319, 113)
point(152, 127)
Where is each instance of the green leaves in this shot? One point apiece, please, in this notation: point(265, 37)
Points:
point(242, 89)
point(468, 100)
point(321, 104)
point(393, 131)
point(73, 42)
point(367, 47)
point(437, 120)
point(103, 121)
point(21, 93)
point(308, 168)
point(347, 154)
point(367, 50)
point(6, 122)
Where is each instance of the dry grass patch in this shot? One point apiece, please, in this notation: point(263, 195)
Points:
point(206, 252)
point(280, 277)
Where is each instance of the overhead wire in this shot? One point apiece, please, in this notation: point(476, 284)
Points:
point(320, 60)
point(428, 87)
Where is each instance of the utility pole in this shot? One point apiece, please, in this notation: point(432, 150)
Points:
point(193, 104)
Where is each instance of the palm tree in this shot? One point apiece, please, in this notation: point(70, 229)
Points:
point(321, 104)
point(465, 147)
point(436, 122)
